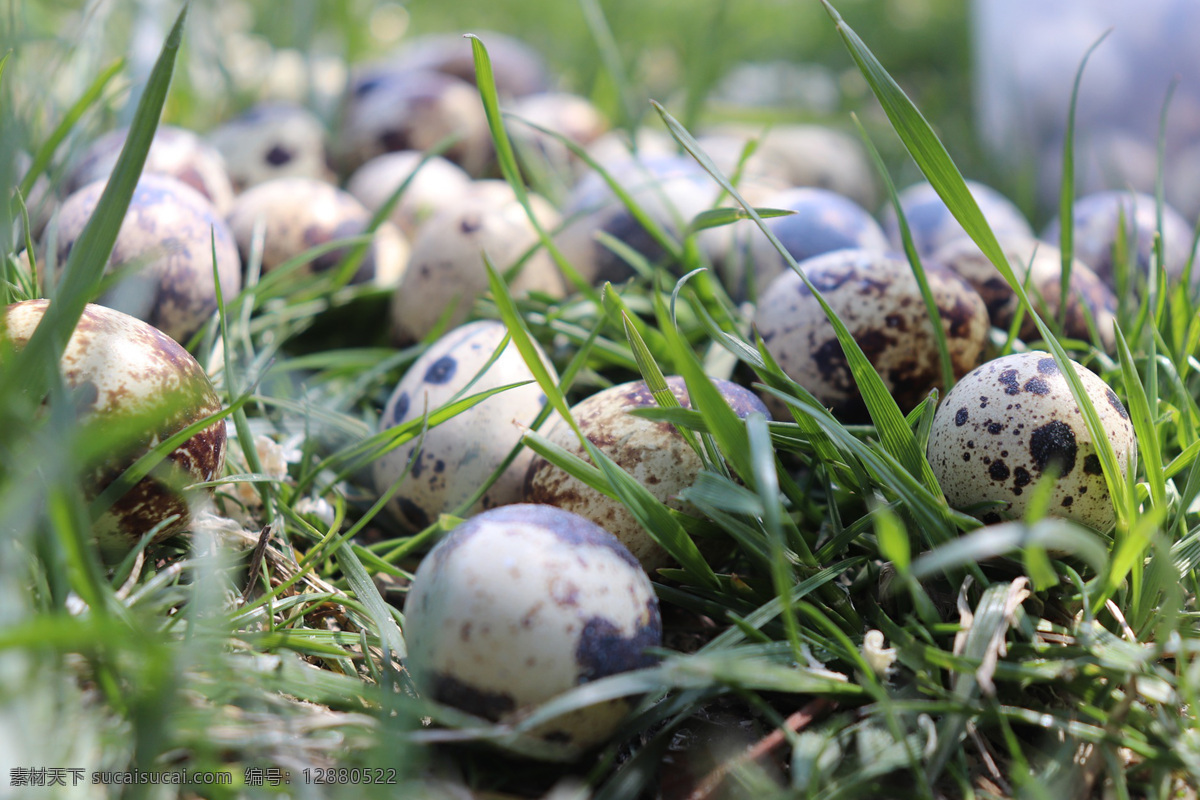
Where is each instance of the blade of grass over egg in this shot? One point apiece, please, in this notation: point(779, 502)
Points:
point(649, 511)
point(86, 262)
point(914, 258)
point(1141, 415)
point(1066, 195)
point(507, 159)
point(889, 421)
point(935, 163)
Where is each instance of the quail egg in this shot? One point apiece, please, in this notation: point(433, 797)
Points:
point(438, 185)
point(878, 299)
point(174, 151)
point(823, 221)
point(932, 225)
point(124, 372)
point(570, 115)
point(273, 140)
point(390, 109)
point(446, 266)
point(653, 453)
point(168, 239)
point(1012, 419)
point(805, 155)
point(1097, 218)
point(671, 190)
point(1042, 262)
point(517, 68)
point(457, 456)
point(301, 213)
point(520, 604)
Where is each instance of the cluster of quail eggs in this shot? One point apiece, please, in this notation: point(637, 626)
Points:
point(545, 585)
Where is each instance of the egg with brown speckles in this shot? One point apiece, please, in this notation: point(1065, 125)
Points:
point(298, 214)
point(458, 455)
point(520, 604)
point(434, 185)
point(168, 240)
point(125, 375)
point(878, 299)
point(1041, 263)
point(653, 453)
point(1007, 423)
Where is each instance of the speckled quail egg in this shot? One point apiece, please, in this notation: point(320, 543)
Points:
point(125, 372)
point(438, 185)
point(615, 146)
point(570, 115)
point(457, 456)
point(447, 268)
point(807, 155)
point(932, 225)
point(273, 140)
point(167, 239)
point(174, 151)
point(520, 604)
point(301, 213)
point(517, 68)
point(1042, 262)
point(1096, 220)
point(1009, 421)
point(823, 221)
point(671, 190)
point(877, 297)
point(653, 453)
point(389, 109)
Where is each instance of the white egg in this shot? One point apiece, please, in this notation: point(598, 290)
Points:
point(520, 604)
point(458, 455)
point(1012, 419)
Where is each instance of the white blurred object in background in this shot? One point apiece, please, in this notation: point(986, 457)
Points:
point(1027, 53)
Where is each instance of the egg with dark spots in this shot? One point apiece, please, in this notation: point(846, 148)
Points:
point(457, 456)
point(878, 299)
point(127, 376)
point(520, 604)
point(390, 108)
point(273, 140)
point(653, 453)
point(1039, 433)
point(298, 214)
point(932, 225)
point(164, 252)
point(1037, 265)
point(446, 272)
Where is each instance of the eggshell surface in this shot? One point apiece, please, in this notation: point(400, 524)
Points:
point(124, 372)
point(653, 453)
point(458, 455)
point(520, 604)
point(1007, 423)
point(878, 299)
